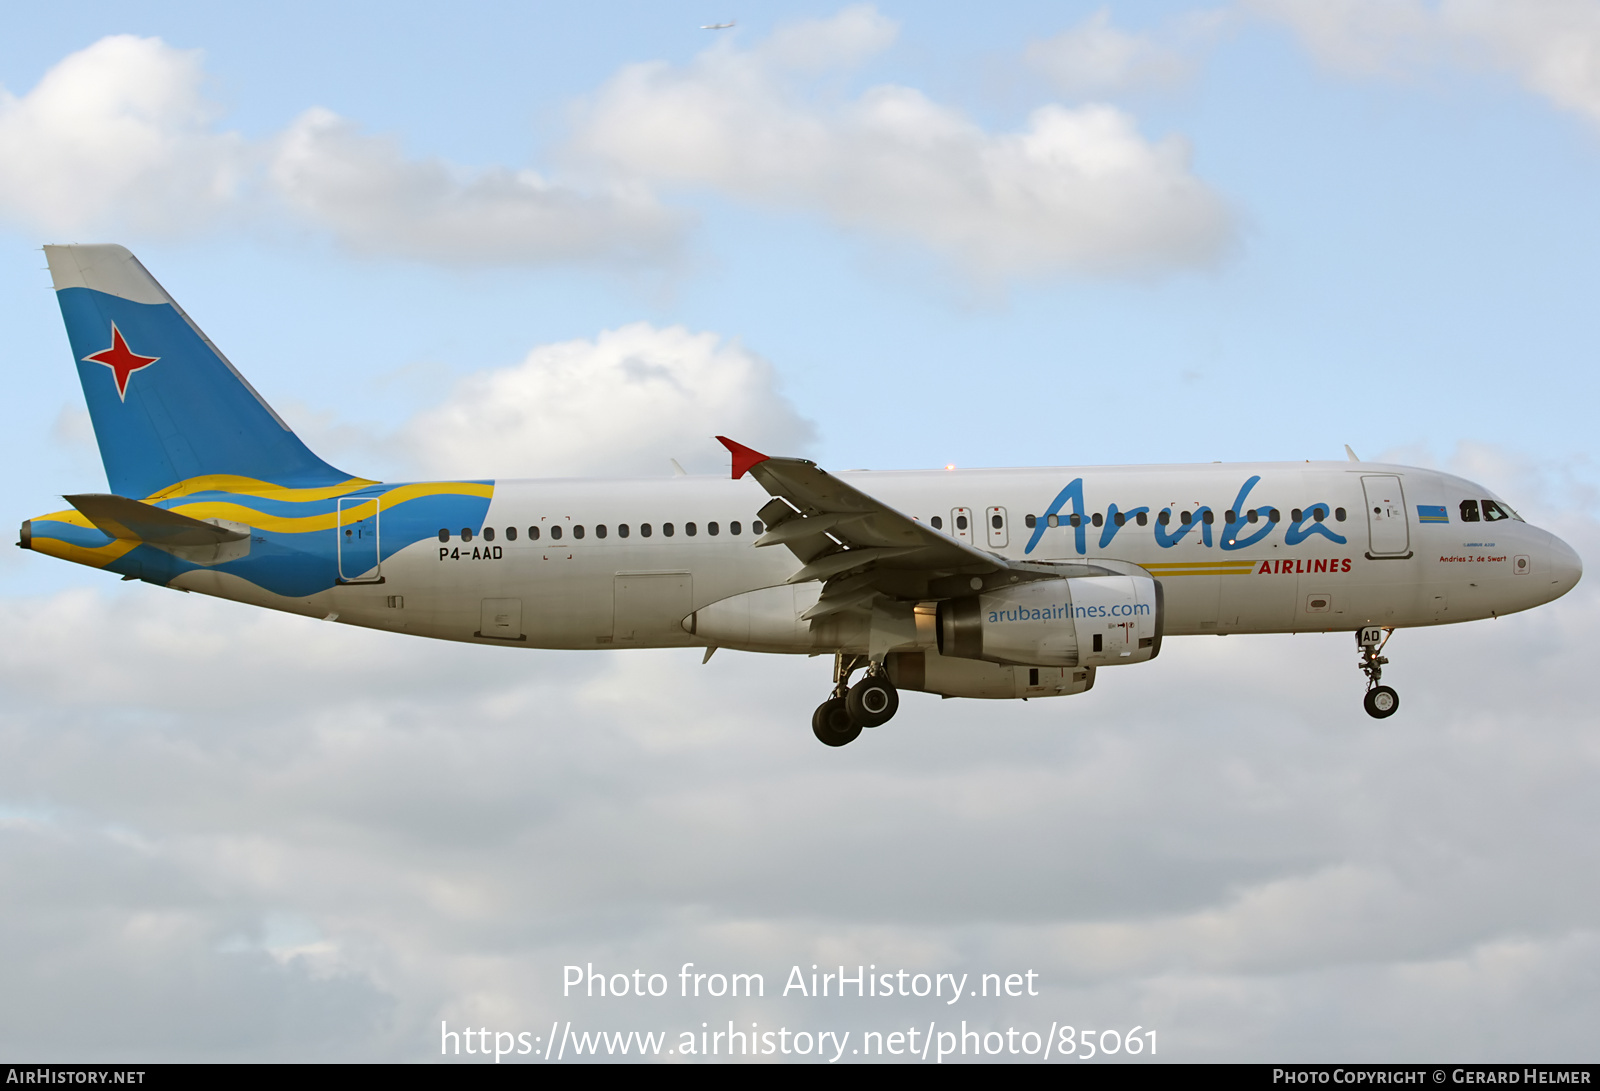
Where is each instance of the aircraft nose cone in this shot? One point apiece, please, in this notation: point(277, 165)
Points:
point(1566, 567)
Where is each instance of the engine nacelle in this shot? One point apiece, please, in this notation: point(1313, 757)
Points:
point(1085, 621)
point(931, 672)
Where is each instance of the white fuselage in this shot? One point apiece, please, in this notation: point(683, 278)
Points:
point(604, 590)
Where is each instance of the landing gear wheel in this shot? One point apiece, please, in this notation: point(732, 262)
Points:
point(832, 725)
point(873, 701)
point(1381, 701)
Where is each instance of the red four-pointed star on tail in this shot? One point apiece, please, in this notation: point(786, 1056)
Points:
point(122, 360)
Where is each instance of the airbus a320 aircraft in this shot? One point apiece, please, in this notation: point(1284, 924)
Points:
point(976, 583)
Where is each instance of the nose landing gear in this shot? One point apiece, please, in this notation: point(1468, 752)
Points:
point(871, 702)
point(1381, 701)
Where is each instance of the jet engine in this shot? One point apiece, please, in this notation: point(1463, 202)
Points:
point(930, 672)
point(1086, 621)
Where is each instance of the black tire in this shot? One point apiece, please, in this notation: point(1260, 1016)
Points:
point(831, 723)
point(1381, 701)
point(872, 701)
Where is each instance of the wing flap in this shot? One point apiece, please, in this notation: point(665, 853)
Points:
point(858, 545)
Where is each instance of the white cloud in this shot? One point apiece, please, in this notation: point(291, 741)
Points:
point(1075, 190)
point(231, 833)
point(1095, 57)
point(842, 41)
point(622, 403)
point(372, 199)
point(119, 138)
point(1551, 46)
point(118, 133)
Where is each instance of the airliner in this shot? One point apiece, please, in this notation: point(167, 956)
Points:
point(1004, 583)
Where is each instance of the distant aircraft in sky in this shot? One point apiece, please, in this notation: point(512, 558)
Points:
point(963, 583)
point(718, 26)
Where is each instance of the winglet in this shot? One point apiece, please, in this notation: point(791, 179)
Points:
point(1350, 453)
point(743, 457)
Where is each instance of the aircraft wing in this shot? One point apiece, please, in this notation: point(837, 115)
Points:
point(859, 546)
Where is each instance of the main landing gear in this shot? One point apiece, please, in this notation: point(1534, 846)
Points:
point(871, 702)
point(1381, 701)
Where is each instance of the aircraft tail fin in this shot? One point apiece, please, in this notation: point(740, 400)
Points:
point(167, 405)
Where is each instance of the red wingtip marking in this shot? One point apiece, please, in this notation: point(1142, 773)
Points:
point(743, 457)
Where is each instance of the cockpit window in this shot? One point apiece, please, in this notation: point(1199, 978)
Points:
point(1469, 511)
point(1493, 511)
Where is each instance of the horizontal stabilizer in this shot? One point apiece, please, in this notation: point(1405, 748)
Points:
point(134, 520)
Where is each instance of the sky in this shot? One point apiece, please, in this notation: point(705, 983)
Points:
point(582, 240)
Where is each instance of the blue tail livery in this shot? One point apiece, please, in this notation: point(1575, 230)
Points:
point(167, 405)
point(204, 475)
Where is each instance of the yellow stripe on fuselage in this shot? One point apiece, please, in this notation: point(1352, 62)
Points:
point(97, 557)
point(250, 486)
point(1201, 568)
point(305, 524)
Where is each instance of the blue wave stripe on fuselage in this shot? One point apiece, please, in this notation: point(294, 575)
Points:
point(292, 564)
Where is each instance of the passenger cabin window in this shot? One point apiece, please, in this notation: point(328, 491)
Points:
point(555, 533)
point(511, 534)
point(622, 530)
point(1469, 511)
point(1185, 518)
point(644, 530)
point(444, 534)
point(488, 534)
point(1053, 520)
point(961, 522)
point(1208, 517)
point(1029, 521)
point(712, 529)
point(1144, 518)
point(666, 529)
point(1338, 513)
point(733, 527)
point(600, 530)
point(533, 534)
point(755, 527)
point(1295, 515)
point(996, 522)
point(466, 534)
point(1119, 519)
point(1075, 519)
point(689, 529)
point(937, 523)
point(1164, 518)
point(1097, 519)
point(577, 531)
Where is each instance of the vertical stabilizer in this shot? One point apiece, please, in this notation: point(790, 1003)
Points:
point(167, 406)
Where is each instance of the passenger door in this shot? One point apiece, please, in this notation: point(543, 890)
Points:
point(357, 549)
point(1388, 533)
